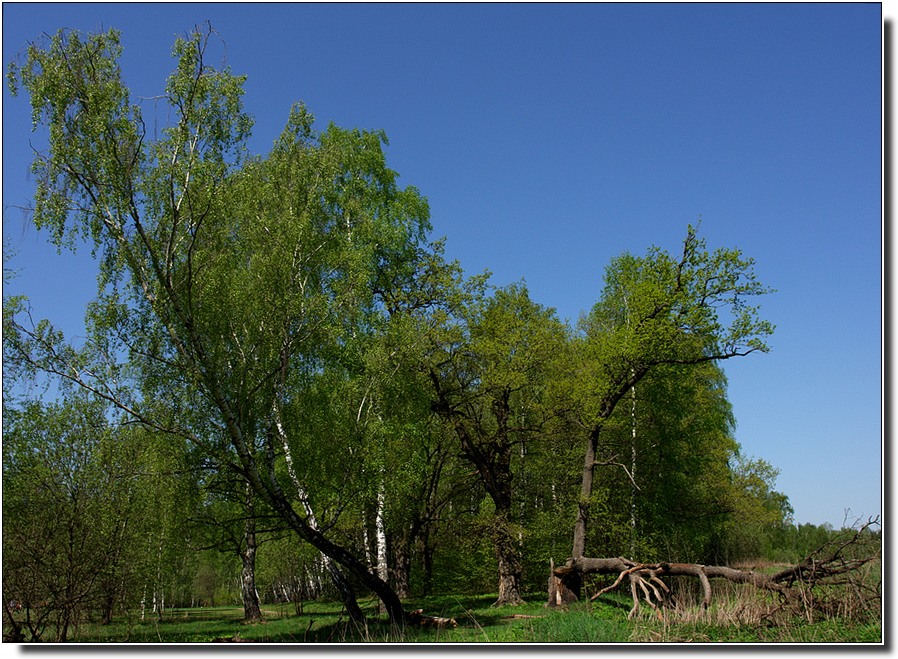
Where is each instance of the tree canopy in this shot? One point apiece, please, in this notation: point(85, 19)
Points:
point(332, 384)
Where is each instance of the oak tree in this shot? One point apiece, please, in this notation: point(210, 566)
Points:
point(490, 388)
point(658, 310)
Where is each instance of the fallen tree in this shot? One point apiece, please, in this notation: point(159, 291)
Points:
point(835, 563)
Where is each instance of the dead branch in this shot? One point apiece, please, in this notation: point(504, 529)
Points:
point(419, 619)
point(834, 563)
point(520, 616)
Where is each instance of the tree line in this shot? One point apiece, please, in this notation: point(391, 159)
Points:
point(282, 370)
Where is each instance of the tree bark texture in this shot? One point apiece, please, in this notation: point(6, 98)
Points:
point(425, 547)
point(491, 455)
point(347, 594)
point(645, 578)
point(339, 580)
point(402, 565)
point(508, 555)
point(589, 468)
point(270, 491)
point(381, 534)
point(252, 610)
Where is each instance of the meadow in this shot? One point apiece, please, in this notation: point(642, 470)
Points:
point(739, 615)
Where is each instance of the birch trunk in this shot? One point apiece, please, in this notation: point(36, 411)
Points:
point(402, 563)
point(381, 534)
point(252, 610)
point(339, 579)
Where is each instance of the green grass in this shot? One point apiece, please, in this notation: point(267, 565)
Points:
point(604, 621)
point(480, 622)
point(321, 622)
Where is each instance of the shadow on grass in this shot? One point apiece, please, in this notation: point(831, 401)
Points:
point(325, 622)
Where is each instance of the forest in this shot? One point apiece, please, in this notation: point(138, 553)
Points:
point(287, 395)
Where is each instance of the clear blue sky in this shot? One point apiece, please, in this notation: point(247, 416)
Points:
point(551, 138)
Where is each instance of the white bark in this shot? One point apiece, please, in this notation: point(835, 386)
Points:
point(381, 534)
point(301, 493)
point(366, 544)
point(288, 458)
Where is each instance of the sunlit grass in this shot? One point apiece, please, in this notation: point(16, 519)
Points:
point(736, 616)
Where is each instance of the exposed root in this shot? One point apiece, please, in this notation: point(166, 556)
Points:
point(836, 563)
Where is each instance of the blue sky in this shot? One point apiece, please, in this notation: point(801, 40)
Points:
point(550, 138)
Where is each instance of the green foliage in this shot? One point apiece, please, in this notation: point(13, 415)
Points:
point(284, 321)
point(674, 437)
point(789, 543)
point(65, 537)
point(758, 510)
point(117, 511)
point(490, 383)
point(76, 91)
point(235, 287)
point(657, 310)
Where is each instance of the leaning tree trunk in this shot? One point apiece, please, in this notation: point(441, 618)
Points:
point(269, 489)
point(347, 594)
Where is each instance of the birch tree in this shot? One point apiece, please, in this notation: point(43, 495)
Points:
point(220, 274)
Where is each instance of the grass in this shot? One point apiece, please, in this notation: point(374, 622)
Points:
point(742, 614)
point(324, 622)
point(736, 617)
point(320, 622)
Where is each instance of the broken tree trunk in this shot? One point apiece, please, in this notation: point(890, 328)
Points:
point(827, 564)
point(560, 591)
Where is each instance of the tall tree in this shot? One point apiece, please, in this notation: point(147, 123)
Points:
point(220, 275)
point(759, 512)
point(679, 490)
point(659, 310)
point(489, 389)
